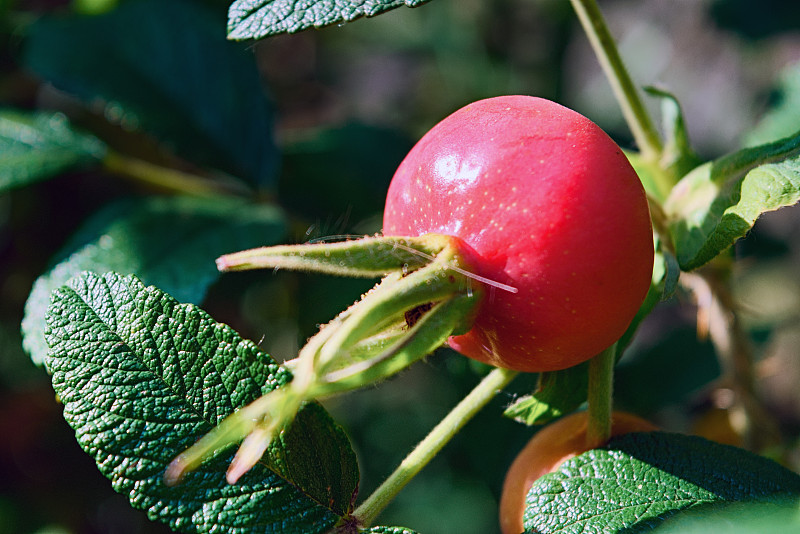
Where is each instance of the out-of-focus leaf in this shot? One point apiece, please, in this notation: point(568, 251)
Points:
point(254, 19)
point(663, 372)
point(165, 68)
point(340, 175)
point(641, 479)
point(738, 518)
point(37, 146)
point(783, 118)
point(172, 242)
point(142, 377)
point(718, 202)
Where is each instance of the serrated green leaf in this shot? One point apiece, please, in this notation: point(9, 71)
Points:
point(142, 377)
point(168, 242)
point(641, 479)
point(254, 19)
point(718, 202)
point(558, 393)
point(36, 146)
point(194, 90)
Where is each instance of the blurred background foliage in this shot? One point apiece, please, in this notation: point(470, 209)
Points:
point(348, 102)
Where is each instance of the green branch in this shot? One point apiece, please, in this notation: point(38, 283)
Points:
point(433, 443)
point(170, 179)
point(636, 115)
point(601, 389)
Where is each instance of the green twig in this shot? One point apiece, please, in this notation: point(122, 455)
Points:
point(433, 443)
point(636, 115)
point(601, 388)
point(169, 179)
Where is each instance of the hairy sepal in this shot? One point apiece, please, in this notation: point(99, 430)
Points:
point(428, 293)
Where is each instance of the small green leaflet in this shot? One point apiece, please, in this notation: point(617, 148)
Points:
point(718, 202)
point(254, 19)
point(558, 393)
point(639, 480)
point(169, 242)
point(142, 377)
point(37, 146)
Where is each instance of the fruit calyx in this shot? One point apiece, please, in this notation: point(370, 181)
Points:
point(428, 293)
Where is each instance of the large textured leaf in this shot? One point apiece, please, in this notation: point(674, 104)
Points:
point(253, 19)
point(164, 67)
point(168, 242)
point(36, 146)
point(718, 202)
point(142, 377)
point(639, 480)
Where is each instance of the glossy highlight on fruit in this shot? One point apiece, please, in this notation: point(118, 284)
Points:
point(544, 201)
point(545, 452)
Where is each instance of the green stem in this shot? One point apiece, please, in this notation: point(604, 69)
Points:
point(169, 179)
point(636, 115)
point(601, 387)
point(433, 443)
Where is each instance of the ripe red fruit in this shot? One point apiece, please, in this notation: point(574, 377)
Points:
point(544, 201)
point(545, 452)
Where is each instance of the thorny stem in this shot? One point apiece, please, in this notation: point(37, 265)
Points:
point(636, 115)
point(169, 179)
point(433, 443)
point(718, 319)
point(601, 388)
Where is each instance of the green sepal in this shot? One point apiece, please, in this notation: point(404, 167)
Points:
point(430, 332)
point(403, 319)
point(387, 530)
point(367, 257)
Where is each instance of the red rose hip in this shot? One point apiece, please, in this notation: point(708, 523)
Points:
point(544, 201)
